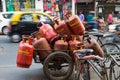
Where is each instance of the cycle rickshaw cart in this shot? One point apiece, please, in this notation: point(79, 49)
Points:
point(53, 51)
point(57, 64)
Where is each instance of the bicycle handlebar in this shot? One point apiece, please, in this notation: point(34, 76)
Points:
point(98, 57)
point(87, 57)
point(83, 51)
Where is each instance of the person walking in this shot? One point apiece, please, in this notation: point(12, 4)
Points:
point(110, 18)
point(57, 8)
point(45, 6)
point(65, 10)
point(81, 16)
point(118, 15)
point(61, 10)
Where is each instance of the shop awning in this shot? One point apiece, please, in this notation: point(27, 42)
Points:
point(113, 1)
point(85, 1)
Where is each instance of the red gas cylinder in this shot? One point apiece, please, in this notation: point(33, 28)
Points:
point(25, 53)
point(76, 25)
point(61, 44)
point(61, 27)
point(43, 47)
point(74, 45)
point(47, 31)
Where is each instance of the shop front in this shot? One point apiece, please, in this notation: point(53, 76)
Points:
point(85, 6)
point(56, 7)
point(18, 5)
point(106, 7)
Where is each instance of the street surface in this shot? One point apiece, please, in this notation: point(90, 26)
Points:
point(9, 70)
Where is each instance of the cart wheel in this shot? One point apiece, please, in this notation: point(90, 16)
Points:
point(58, 66)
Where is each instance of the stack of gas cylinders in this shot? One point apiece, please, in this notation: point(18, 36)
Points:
point(61, 37)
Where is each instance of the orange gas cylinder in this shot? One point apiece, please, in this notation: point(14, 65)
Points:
point(25, 54)
point(76, 25)
point(74, 45)
point(61, 44)
point(43, 48)
point(61, 27)
point(47, 31)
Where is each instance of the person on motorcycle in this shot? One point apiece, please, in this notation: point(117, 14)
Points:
point(91, 20)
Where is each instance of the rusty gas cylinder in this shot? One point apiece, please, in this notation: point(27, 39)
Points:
point(75, 25)
point(47, 31)
point(74, 45)
point(61, 27)
point(43, 48)
point(61, 44)
point(25, 53)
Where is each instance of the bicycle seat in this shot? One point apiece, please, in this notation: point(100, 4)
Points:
point(98, 35)
point(84, 51)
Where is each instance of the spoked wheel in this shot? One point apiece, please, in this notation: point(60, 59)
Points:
point(114, 73)
point(84, 73)
point(58, 66)
point(110, 47)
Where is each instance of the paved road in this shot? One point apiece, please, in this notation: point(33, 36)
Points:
point(9, 71)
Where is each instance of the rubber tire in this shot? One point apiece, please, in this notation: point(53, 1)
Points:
point(109, 44)
point(5, 30)
point(53, 56)
point(17, 36)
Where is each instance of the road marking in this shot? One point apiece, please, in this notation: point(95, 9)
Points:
point(6, 66)
point(15, 65)
point(1, 49)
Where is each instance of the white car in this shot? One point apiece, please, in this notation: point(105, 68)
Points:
point(4, 21)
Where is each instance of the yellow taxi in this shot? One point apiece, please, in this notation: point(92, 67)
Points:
point(26, 23)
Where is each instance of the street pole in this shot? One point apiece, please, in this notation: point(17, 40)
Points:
point(95, 8)
point(3, 6)
point(73, 7)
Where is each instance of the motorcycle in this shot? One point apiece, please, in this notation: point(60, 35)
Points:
point(89, 26)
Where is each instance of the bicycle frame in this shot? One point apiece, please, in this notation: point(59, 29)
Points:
point(88, 59)
point(113, 63)
point(101, 73)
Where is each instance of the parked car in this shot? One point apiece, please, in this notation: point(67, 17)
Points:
point(4, 21)
point(26, 23)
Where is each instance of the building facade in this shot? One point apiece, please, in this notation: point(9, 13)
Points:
point(105, 7)
point(18, 5)
point(102, 7)
point(85, 6)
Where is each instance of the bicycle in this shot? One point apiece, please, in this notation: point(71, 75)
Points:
point(84, 60)
point(112, 54)
point(114, 67)
point(106, 46)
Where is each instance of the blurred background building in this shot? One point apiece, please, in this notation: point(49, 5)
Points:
point(101, 7)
